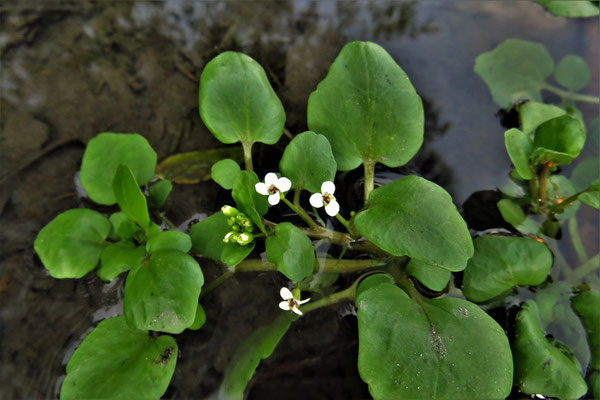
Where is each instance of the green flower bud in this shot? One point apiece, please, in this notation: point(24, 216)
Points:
point(227, 237)
point(245, 238)
point(249, 229)
point(236, 228)
point(229, 211)
point(231, 221)
point(296, 293)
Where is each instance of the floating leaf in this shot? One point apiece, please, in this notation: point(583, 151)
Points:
point(435, 278)
point(571, 8)
point(519, 146)
point(162, 295)
point(559, 140)
point(207, 239)
point(169, 240)
point(259, 345)
point(119, 257)
point(116, 361)
point(70, 245)
point(308, 162)
point(104, 153)
point(572, 72)
point(194, 167)
point(539, 366)
point(501, 263)
point(129, 196)
point(224, 172)
point(248, 200)
point(532, 114)
point(515, 70)
point(291, 251)
point(199, 320)
point(444, 348)
point(412, 216)
point(158, 193)
point(237, 102)
point(367, 108)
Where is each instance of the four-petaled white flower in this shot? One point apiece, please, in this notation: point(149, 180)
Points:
point(272, 186)
point(325, 198)
point(290, 303)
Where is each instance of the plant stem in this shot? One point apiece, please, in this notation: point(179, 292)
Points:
point(347, 225)
point(300, 211)
point(336, 237)
point(589, 266)
point(297, 198)
point(247, 156)
point(369, 167)
point(329, 266)
point(166, 220)
point(543, 179)
point(569, 95)
point(347, 294)
point(212, 285)
point(558, 208)
point(576, 240)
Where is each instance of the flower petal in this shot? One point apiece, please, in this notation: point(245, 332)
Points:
point(332, 208)
point(316, 200)
point(286, 294)
point(283, 184)
point(327, 187)
point(274, 199)
point(297, 311)
point(284, 305)
point(303, 301)
point(270, 179)
point(262, 188)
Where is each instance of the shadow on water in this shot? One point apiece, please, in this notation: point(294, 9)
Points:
point(73, 69)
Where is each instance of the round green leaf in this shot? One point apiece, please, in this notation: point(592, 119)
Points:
point(592, 196)
point(103, 155)
point(70, 245)
point(435, 278)
point(248, 200)
point(444, 348)
point(586, 305)
point(515, 70)
point(119, 257)
point(571, 8)
point(162, 294)
point(559, 140)
point(129, 196)
point(572, 72)
point(514, 215)
point(158, 193)
point(207, 239)
point(502, 262)
point(291, 251)
point(539, 366)
point(224, 172)
point(414, 217)
point(117, 362)
point(532, 114)
point(169, 240)
point(519, 146)
point(199, 320)
point(237, 102)
point(367, 108)
point(308, 162)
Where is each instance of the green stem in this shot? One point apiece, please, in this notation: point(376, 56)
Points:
point(165, 220)
point(369, 167)
point(329, 265)
point(247, 156)
point(558, 208)
point(349, 227)
point(336, 237)
point(533, 190)
point(570, 95)
point(297, 198)
point(348, 294)
point(300, 211)
point(589, 266)
point(576, 240)
point(212, 285)
point(542, 187)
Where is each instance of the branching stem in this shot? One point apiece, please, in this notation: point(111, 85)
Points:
point(569, 95)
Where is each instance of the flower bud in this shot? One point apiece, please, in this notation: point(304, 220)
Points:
point(231, 221)
point(229, 211)
point(245, 238)
point(227, 237)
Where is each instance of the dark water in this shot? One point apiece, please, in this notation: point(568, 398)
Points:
point(70, 70)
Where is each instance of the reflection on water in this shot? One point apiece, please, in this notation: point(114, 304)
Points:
point(73, 69)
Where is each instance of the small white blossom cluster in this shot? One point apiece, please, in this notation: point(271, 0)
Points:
point(241, 226)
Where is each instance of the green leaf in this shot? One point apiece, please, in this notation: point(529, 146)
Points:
point(372, 281)
point(291, 251)
point(559, 188)
point(367, 108)
point(122, 226)
point(158, 193)
point(104, 153)
point(594, 132)
point(532, 114)
point(70, 245)
point(259, 345)
point(248, 200)
point(592, 196)
point(445, 348)
point(514, 215)
point(515, 70)
point(559, 140)
point(224, 172)
point(539, 366)
point(308, 162)
point(162, 295)
point(199, 320)
point(129, 196)
point(586, 171)
point(586, 305)
point(503, 262)
point(195, 166)
point(207, 239)
point(414, 217)
point(571, 8)
point(117, 362)
point(237, 102)
point(169, 240)
point(519, 146)
point(572, 72)
point(435, 278)
point(119, 257)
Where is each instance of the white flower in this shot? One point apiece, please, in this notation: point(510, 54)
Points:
point(326, 198)
point(272, 186)
point(290, 303)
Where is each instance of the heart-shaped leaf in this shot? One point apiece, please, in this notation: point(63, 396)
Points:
point(572, 72)
point(224, 172)
point(104, 153)
point(129, 196)
point(118, 258)
point(519, 146)
point(414, 217)
point(367, 108)
point(70, 245)
point(440, 349)
point(502, 262)
point(559, 140)
point(291, 251)
point(117, 362)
